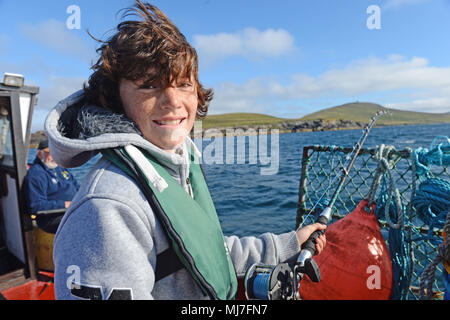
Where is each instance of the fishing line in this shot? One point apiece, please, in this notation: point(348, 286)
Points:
point(284, 278)
point(284, 248)
point(261, 286)
point(349, 158)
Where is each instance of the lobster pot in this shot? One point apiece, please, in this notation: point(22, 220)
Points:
point(355, 264)
point(446, 262)
point(320, 166)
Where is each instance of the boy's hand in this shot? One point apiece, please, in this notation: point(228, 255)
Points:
point(304, 233)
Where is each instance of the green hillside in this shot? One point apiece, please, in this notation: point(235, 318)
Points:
point(362, 112)
point(239, 119)
point(358, 112)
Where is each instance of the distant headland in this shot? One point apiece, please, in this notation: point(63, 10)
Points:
point(344, 117)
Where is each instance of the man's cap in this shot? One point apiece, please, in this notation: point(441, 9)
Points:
point(43, 145)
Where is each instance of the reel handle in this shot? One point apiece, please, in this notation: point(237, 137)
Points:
point(311, 269)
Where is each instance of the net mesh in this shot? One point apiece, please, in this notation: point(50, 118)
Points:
point(321, 166)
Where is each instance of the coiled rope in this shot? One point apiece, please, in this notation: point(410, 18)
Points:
point(438, 155)
point(428, 274)
point(432, 199)
point(384, 172)
point(432, 203)
point(389, 204)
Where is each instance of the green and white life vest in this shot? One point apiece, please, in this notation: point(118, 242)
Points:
point(191, 224)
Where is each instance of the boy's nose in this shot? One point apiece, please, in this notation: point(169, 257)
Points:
point(171, 98)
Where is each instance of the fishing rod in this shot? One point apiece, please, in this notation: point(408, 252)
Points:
point(282, 281)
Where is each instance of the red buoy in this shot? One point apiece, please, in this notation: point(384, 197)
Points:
point(355, 263)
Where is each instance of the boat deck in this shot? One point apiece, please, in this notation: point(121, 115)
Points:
point(15, 286)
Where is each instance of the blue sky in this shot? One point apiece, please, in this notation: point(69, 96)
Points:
point(285, 58)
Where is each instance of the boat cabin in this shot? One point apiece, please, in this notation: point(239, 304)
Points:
point(20, 276)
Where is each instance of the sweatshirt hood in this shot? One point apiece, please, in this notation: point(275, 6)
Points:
point(77, 132)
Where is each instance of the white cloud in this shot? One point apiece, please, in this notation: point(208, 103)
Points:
point(57, 88)
point(54, 90)
point(54, 35)
point(252, 96)
point(372, 75)
point(433, 105)
point(250, 43)
point(416, 85)
point(395, 74)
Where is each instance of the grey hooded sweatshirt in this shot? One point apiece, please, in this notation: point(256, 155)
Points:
point(108, 240)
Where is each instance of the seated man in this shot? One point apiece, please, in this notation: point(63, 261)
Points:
point(48, 187)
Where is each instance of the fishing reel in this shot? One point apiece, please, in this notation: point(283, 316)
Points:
point(267, 282)
point(279, 282)
point(282, 282)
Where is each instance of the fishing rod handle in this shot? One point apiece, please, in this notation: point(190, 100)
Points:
point(310, 244)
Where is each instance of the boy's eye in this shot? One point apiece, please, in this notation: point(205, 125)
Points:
point(147, 86)
point(185, 85)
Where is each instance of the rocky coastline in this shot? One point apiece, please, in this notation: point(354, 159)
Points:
point(282, 127)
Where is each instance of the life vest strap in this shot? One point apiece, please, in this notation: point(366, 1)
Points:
point(167, 262)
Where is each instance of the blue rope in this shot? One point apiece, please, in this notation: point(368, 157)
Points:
point(399, 245)
point(446, 277)
point(432, 199)
point(437, 155)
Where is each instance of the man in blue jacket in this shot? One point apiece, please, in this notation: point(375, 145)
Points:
point(48, 187)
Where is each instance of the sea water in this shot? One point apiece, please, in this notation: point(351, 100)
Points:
point(250, 203)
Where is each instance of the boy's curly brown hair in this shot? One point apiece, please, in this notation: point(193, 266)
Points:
point(136, 47)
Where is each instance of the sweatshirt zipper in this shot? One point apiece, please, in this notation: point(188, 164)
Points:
point(188, 182)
